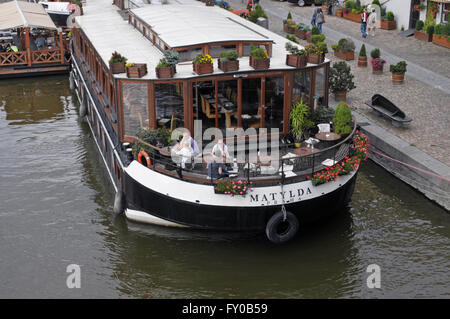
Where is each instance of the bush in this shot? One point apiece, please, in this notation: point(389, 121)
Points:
point(323, 47)
point(390, 16)
point(289, 16)
point(171, 57)
point(430, 29)
point(341, 77)
point(299, 120)
point(375, 53)
point(344, 45)
point(341, 119)
point(419, 25)
point(228, 55)
point(257, 13)
point(317, 38)
point(294, 50)
point(362, 51)
point(400, 67)
point(258, 53)
point(442, 29)
point(292, 38)
point(315, 30)
point(377, 2)
point(117, 58)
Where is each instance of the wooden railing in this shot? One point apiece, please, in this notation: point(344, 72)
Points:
point(13, 58)
point(46, 56)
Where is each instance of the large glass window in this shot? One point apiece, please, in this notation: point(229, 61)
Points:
point(251, 103)
point(227, 98)
point(214, 51)
point(135, 107)
point(169, 104)
point(204, 103)
point(300, 91)
point(188, 55)
point(274, 102)
point(320, 87)
point(445, 17)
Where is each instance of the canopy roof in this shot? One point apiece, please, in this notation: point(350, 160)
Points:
point(17, 14)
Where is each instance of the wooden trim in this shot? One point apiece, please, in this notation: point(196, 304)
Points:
point(61, 46)
point(216, 102)
point(262, 105)
point(187, 106)
point(27, 37)
point(239, 100)
point(312, 89)
point(288, 103)
point(120, 112)
point(151, 106)
point(325, 89)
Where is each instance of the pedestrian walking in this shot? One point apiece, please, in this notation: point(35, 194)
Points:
point(320, 19)
point(364, 19)
point(372, 22)
point(314, 16)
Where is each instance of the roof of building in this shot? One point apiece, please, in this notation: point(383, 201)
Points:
point(17, 14)
point(109, 32)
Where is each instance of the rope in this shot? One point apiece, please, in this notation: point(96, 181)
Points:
point(283, 209)
point(413, 167)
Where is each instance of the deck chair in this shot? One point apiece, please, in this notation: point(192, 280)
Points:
point(208, 111)
point(324, 127)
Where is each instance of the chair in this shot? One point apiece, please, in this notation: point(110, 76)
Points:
point(228, 120)
point(324, 127)
point(208, 110)
point(228, 93)
point(173, 118)
point(256, 124)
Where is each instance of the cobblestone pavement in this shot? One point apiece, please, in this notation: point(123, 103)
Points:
point(427, 105)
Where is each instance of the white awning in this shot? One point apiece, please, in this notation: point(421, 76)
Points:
point(18, 14)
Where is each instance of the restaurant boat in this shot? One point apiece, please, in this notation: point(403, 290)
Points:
point(277, 195)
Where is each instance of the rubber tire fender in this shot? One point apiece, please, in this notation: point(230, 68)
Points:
point(274, 222)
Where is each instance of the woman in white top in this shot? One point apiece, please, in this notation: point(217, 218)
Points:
point(185, 153)
point(372, 22)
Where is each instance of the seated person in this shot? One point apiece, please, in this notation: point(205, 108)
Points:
point(220, 151)
point(188, 139)
point(185, 154)
point(218, 169)
point(2, 46)
point(40, 42)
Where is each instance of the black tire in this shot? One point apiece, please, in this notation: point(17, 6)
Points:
point(279, 231)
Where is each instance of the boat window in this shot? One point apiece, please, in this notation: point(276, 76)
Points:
point(274, 110)
point(188, 55)
point(228, 105)
point(214, 51)
point(247, 48)
point(251, 103)
point(135, 107)
point(320, 86)
point(169, 103)
point(300, 91)
point(204, 103)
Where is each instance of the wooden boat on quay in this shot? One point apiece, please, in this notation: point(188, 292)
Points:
point(152, 186)
point(22, 24)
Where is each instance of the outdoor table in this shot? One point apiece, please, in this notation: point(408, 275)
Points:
point(328, 136)
point(304, 151)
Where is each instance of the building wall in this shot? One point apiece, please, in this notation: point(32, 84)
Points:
point(400, 8)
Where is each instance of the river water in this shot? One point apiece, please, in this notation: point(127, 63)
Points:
point(55, 210)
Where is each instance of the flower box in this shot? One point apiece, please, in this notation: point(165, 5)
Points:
point(290, 29)
point(377, 70)
point(259, 64)
point(300, 34)
point(203, 68)
point(347, 56)
point(356, 17)
point(137, 71)
point(423, 36)
point(442, 41)
point(116, 68)
point(388, 25)
point(210, 3)
point(308, 36)
point(398, 77)
point(339, 12)
point(362, 61)
point(340, 95)
point(316, 58)
point(165, 72)
point(296, 61)
point(229, 66)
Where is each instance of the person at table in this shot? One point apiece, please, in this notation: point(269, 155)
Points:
point(220, 151)
point(188, 139)
point(185, 153)
point(217, 168)
point(12, 48)
point(40, 42)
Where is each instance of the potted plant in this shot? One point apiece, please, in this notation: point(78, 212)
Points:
point(339, 10)
point(259, 59)
point(300, 121)
point(314, 31)
point(342, 119)
point(316, 53)
point(423, 33)
point(292, 38)
point(340, 80)
point(228, 61)
point(297, 57)
point(289, 17)
point(301, 31)
point(210, 3)
point(136, 70)
point(389, 22)
point(202, 64)
point(376, 62)
point(362, 58)
point(441, 35)
point(117, 63)
point(398, 71)
point(166, 67)
point(291, 26)
point(316, 38)
point(344, 49)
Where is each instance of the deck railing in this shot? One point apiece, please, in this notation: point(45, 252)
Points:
point(13, 58)
point(47, 56)
point(301, 165)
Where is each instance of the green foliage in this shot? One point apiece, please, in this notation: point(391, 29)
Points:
point(321, 114)
point(303, 27)
point(117, 58)
point(315, 30)
point(377, 2)
point(341, 119)
point(316, 38)
point(152, 137)
point(299, 120)
point(323, 47)
point(390, 16)
point(258, 53)
point(430, 29)
point(419, 25)
point(257, 13)
point(294, 50)
point(292, 38)
point(362, 51)
point(349, 4)
point(400, 67)
point(162, 64)
point(289, 16)
point(375, 53)
point(171, 57)
point(341, 77)
point(344, 45)
point(318, 2)
point(442, 29)
point(228, 55)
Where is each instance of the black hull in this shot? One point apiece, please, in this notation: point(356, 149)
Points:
point(202, 216)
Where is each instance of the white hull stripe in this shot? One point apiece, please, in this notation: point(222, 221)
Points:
point(142, 217)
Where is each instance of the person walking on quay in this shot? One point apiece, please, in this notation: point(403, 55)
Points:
point(320, 19)
point(364, 19)
point(372, 22)
point(314, 16)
